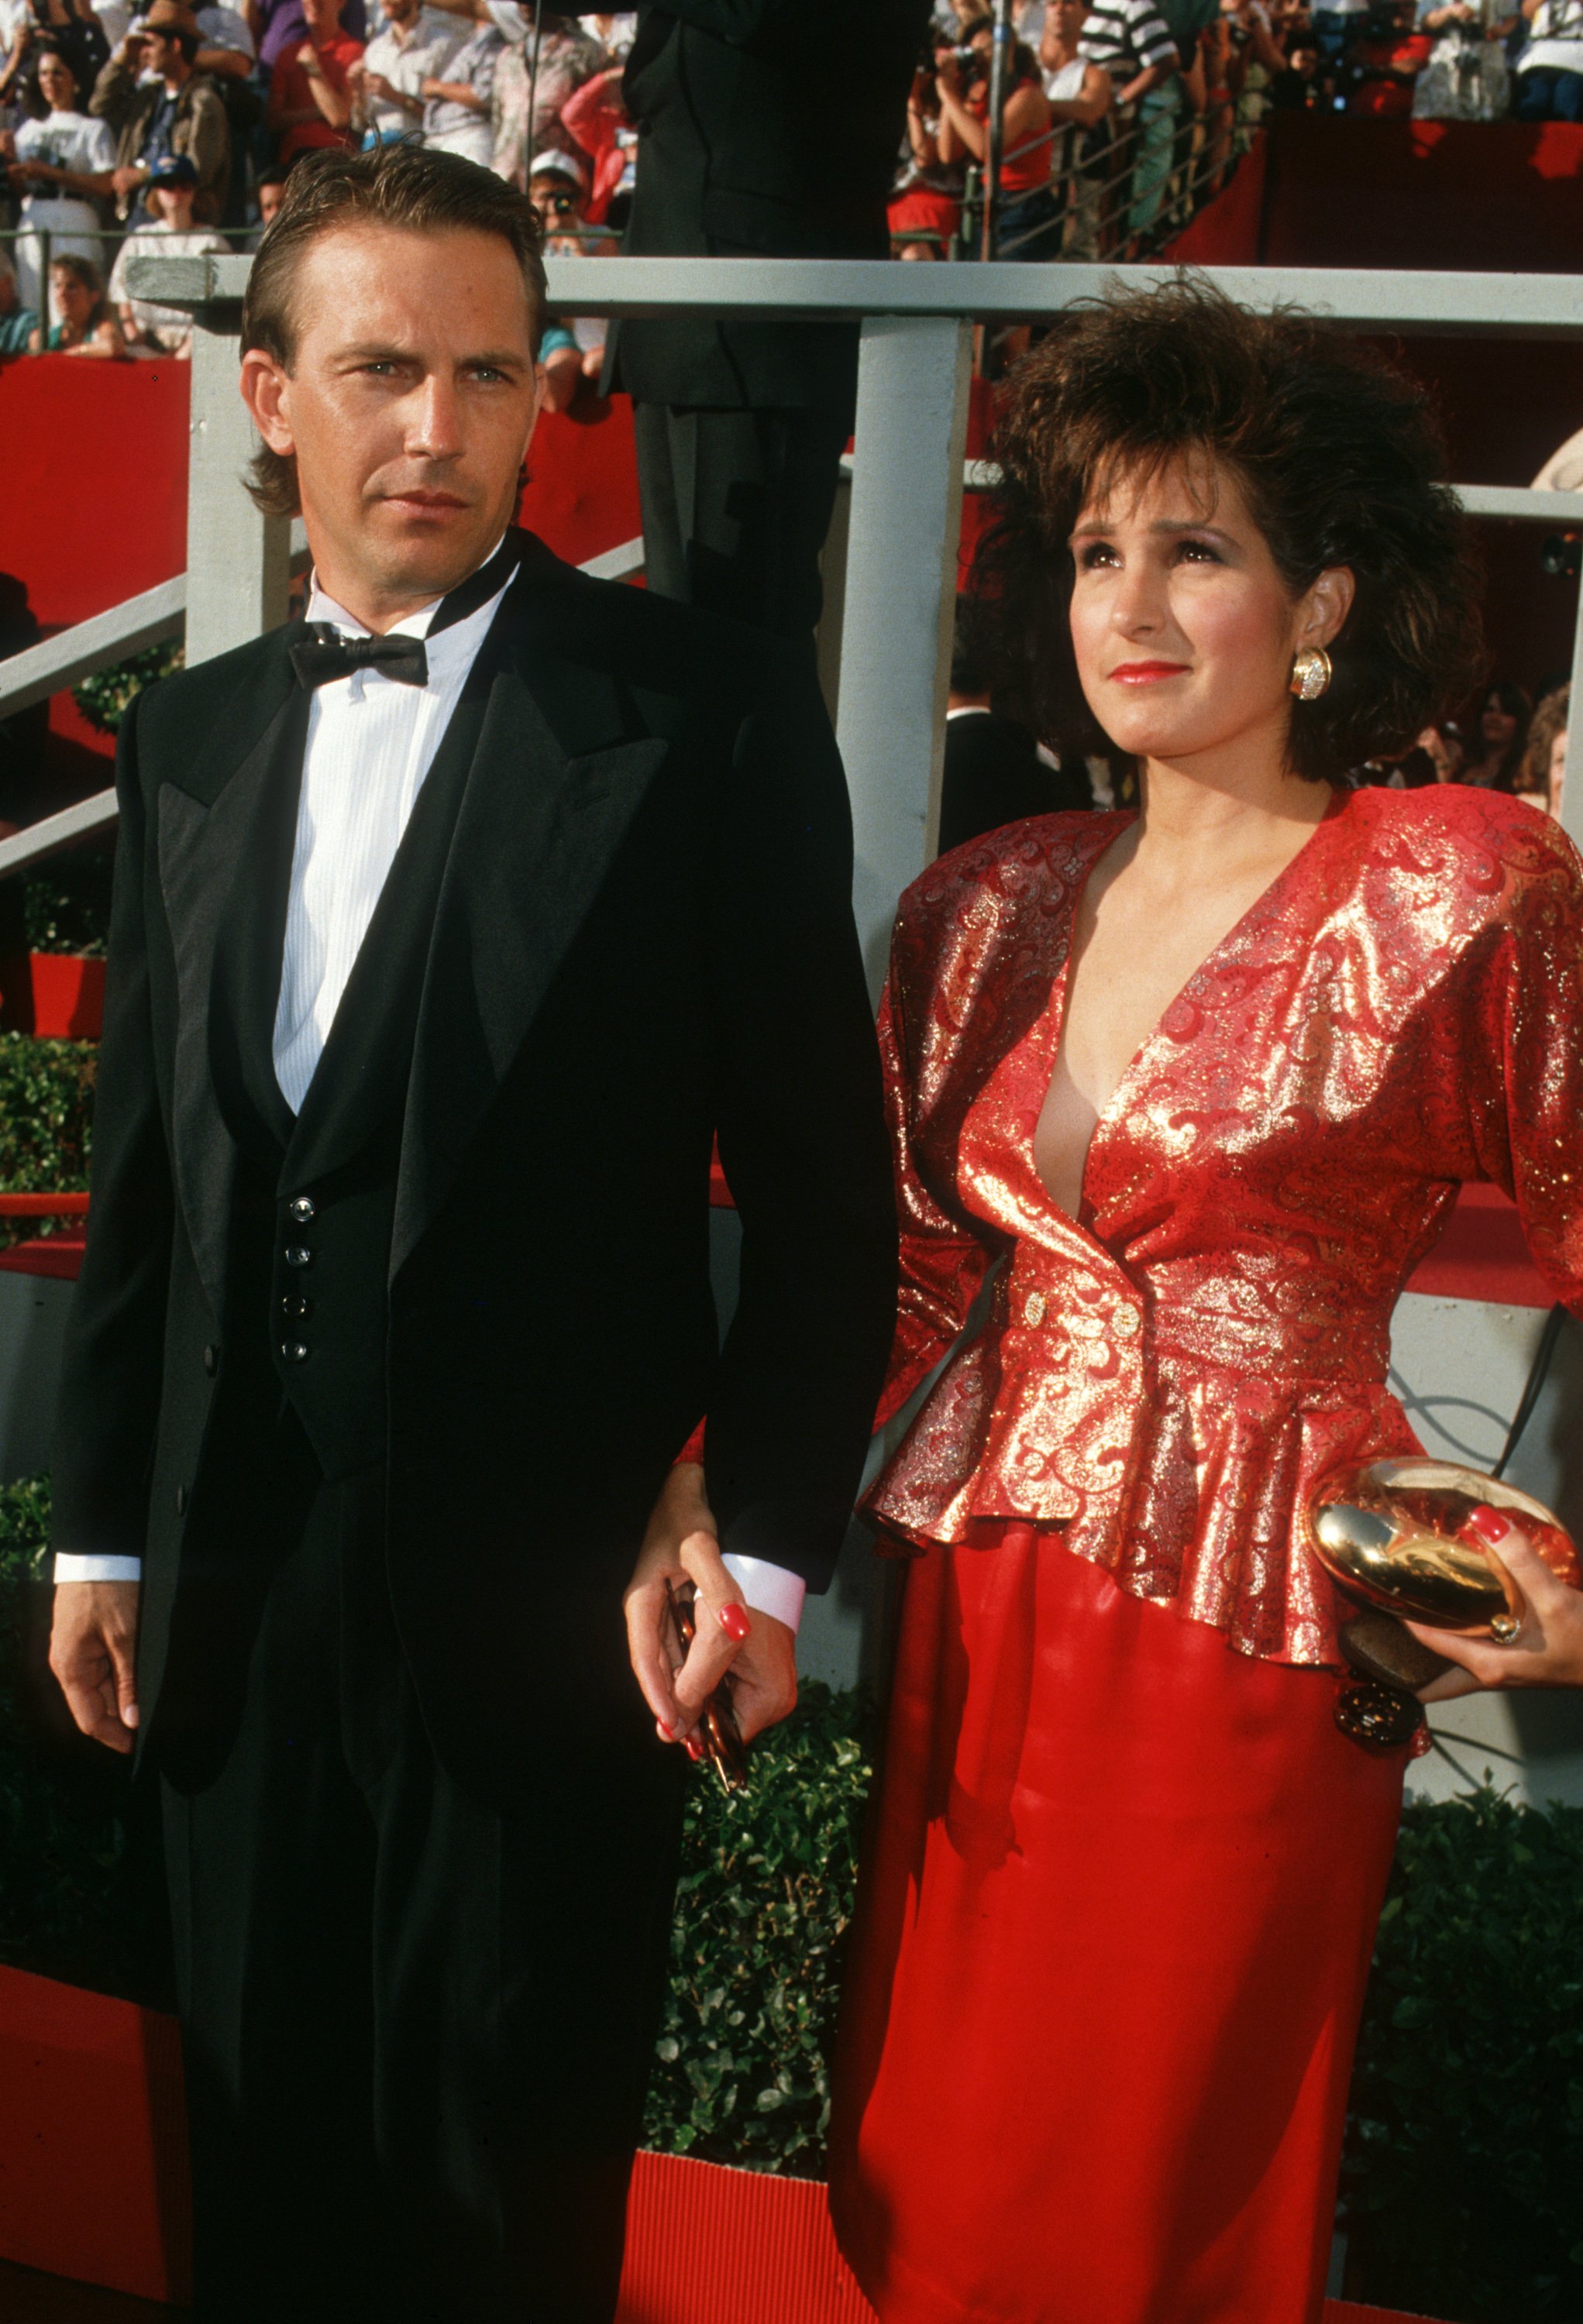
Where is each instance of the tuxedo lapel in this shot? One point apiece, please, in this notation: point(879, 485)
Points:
point(552, 795)
point(216, 856)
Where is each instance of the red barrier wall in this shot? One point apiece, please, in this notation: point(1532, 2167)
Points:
point(1227, 231)
point(1463, 194)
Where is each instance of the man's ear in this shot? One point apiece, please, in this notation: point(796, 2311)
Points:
point(265, 390)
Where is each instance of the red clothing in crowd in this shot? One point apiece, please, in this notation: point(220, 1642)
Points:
point(290, 86)
point(1026, 162)
point(594, 115)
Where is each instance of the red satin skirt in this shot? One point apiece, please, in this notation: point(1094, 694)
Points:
point(1120, 1903)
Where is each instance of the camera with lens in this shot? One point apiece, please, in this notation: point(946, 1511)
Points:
point(973, 63)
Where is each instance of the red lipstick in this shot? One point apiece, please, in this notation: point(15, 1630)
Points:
point(1143, 673)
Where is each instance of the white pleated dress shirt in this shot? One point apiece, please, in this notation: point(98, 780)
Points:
point(371, 743)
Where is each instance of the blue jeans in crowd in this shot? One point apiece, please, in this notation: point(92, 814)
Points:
point(1544, 94)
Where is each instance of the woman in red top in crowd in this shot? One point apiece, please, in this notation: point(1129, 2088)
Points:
point(1028, 218)
point(1190, 1092)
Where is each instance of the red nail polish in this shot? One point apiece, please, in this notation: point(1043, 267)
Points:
point(735, 1623)
point(1489, 1523)
point(666, 1734)
point(695, 1749)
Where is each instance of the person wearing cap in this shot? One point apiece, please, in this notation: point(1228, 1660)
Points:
point(157, 102)
point(414, 43)
point(572, 348)
point(309, 90)
point(151, 329)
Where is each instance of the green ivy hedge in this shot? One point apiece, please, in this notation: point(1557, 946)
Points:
point(1463, 2183)
point(46, 1113)
point(104, 695)
point(763, 1907)
point(1465, 2146)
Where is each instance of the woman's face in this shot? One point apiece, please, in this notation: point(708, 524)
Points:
point(56, 84)
point(1183, 628)
point(1496, 725)
point(74, 302)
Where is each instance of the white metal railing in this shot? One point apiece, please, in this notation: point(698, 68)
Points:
point(893, 599)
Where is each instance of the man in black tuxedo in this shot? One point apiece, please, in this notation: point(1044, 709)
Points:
point(448, 926)
point(766, 129)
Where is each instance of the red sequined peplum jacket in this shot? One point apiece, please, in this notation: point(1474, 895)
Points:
point(1165, 1379)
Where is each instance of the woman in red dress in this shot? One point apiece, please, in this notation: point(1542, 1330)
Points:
point(1186, 1095)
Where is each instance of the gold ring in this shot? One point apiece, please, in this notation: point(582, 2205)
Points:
point(1503, 1628)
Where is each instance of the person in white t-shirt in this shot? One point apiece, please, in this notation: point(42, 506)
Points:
point(1549, 70)
point(151, 329)
point(415, 44)
point(61, 167)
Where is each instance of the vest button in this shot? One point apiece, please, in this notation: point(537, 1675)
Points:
point(211, 1360)
point(303, 1209)
point(294, 1351)
point(294, 1306)
point(180, 1500)
point(299, 1255)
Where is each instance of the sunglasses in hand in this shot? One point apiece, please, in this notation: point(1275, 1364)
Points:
point(718, 1732)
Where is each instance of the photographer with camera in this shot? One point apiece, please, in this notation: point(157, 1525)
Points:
point(572, 349)
point(1466, 77)
point(1028, 221)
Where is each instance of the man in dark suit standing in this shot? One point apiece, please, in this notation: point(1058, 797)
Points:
point(766, 129)
point(448, 926)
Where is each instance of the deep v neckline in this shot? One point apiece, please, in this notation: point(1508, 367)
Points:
point(1055, 1014)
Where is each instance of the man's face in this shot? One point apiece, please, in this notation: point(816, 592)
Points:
point(270, 198)
point(409, 405)
point(163, 56)
point(400, 12)
point(323, 18)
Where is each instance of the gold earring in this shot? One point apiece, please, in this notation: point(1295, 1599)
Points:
point(1310, 673)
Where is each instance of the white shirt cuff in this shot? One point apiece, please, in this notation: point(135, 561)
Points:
point(71, 1568)
point(771, 1590)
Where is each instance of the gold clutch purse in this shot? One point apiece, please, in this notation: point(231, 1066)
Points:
point(1396, 1535)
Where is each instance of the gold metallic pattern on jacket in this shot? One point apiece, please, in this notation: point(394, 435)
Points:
point(1402, 1011)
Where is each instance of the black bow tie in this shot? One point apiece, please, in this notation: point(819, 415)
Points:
point(325, 653)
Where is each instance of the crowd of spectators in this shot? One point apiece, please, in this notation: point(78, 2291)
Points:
point(1117, 116)
point(130, 127)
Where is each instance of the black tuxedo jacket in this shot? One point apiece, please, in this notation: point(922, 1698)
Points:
point(766, 129)
point(642, 934)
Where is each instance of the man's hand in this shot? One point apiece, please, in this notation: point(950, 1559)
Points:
point(92, 1645)
point(681, 1546)
point(126, 180)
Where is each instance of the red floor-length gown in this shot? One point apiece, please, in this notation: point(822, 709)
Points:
point(1122, 1891)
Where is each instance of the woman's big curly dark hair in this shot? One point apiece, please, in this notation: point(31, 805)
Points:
point(1338, 457)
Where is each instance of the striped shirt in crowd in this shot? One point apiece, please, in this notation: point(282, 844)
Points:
point(1124, 36)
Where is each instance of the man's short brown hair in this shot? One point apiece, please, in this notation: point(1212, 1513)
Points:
point(407, 185)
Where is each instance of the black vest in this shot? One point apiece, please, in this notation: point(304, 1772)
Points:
point(315, 1197)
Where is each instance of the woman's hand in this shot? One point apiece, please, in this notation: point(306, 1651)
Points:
point(682, 1544)
point(1546, 1651)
